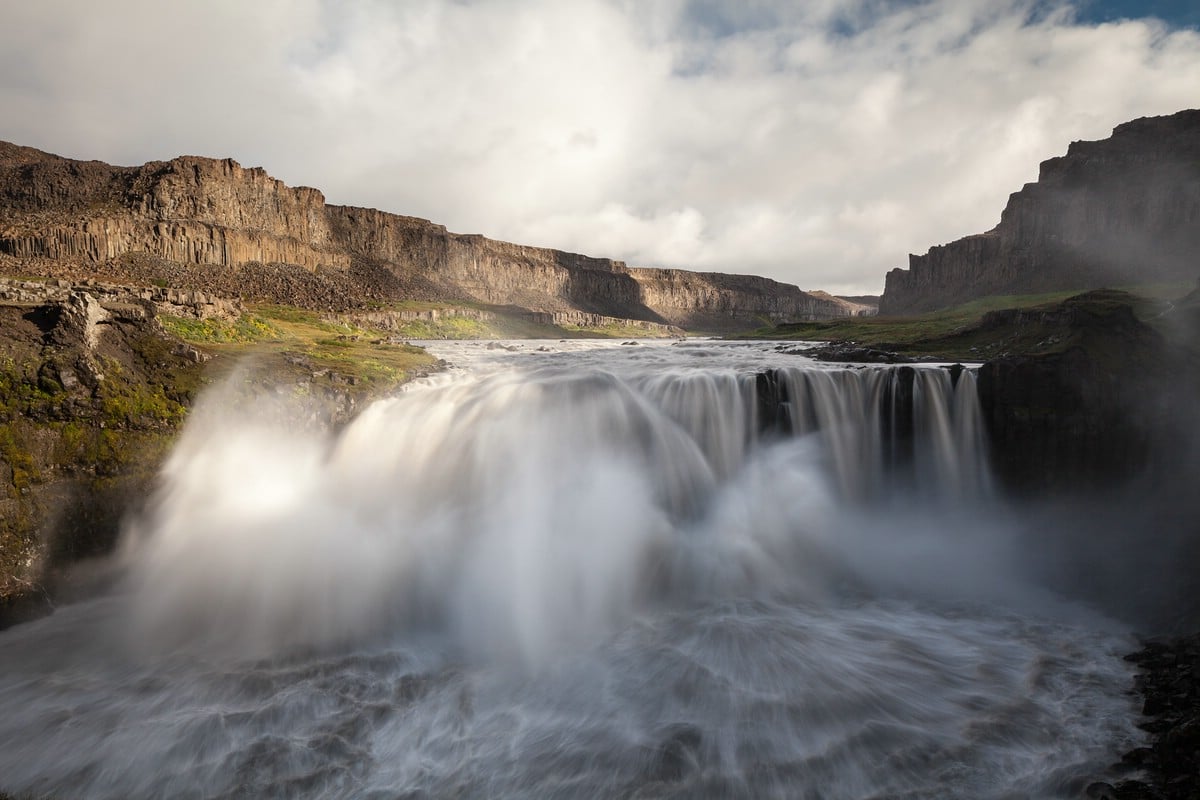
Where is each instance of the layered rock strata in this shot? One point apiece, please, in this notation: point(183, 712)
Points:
point(1120, 211)
point(720, 302)
point(181, 303)
point(229, 226)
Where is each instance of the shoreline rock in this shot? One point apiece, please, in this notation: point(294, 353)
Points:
point(1169, 683)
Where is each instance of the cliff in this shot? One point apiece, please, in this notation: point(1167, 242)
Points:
point(1120, 211)
point(213, 225)
point(719, 302)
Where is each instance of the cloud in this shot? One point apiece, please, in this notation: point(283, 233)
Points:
point(815, 143)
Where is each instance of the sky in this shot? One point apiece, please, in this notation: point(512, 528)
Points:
point(814, 142)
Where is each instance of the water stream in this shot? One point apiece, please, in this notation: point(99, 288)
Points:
point(589, 570)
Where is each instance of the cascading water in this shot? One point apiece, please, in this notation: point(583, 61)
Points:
point(646, 572)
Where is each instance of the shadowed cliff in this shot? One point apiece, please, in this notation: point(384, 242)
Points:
point(1116, 212)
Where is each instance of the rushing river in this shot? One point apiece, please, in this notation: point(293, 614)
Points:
point(576, 570)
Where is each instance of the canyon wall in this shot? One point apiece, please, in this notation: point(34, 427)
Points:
point(715, 301)
point(189, 210)
point(1120, 211)
point(213, 225)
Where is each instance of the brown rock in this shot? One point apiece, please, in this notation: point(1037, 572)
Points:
point(213, 226)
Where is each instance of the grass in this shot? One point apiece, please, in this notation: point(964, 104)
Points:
point(246, 329)
point(500, 322)
point(955, 332)
point(289, 343)
point(105, 441)
point(449, 327)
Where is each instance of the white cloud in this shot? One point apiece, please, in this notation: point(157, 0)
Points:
point(816, 143)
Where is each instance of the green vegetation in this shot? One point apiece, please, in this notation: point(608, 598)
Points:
point(453, 326)
point(959, 333)
point(244, 330)
point(84, 431)
point(457, 321)
point(285, 343)
point(23, 392)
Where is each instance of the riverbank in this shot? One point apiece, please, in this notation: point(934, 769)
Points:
point(1169, 684)
point(989, 328)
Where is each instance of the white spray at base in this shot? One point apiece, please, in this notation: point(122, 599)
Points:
point(572, 583)
point(526, 513)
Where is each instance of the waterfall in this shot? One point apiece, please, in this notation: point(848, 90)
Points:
point(916, 430)
point(634, 572)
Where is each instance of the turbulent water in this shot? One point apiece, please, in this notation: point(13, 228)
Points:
point(575, 571)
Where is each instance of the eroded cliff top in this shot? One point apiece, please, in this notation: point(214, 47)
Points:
point(214, 225)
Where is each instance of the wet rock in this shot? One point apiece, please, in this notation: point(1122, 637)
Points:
point(1171, 701)
point(857, 354)
point(1085, 417)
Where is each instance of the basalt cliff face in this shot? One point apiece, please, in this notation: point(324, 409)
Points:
point(717, 301)
point(213, 225)
point(1120, 211)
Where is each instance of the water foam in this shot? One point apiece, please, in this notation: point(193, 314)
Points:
point(573, 582)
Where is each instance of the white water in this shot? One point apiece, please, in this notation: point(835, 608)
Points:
point(573, 574)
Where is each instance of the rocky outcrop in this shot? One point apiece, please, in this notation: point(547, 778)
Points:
point(217, 226)
point(582, 319)
point(1170, 692)
point(188, 210)
point(1120, 211)
point(181, 303)
point(1091, 412)
point(91, 392)
point(718, 302)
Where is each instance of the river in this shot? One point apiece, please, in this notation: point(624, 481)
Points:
point(576, 569)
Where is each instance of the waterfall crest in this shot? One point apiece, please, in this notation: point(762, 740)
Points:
point(526, 511)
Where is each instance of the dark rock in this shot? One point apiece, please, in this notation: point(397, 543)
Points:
point(1084, 416)
point(856, 354)
point(1172, 701)
point(1109, 213)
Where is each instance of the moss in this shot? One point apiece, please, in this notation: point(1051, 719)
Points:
point(16, 452)
point(72, 437)
point(131, 403)
point(27, 390)
point(245, 329)
point(91, 454)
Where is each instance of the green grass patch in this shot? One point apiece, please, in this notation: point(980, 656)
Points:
point(134, 404)
point(448, 327)
point(957, 332)
point(246, 329)
point(284, 343)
